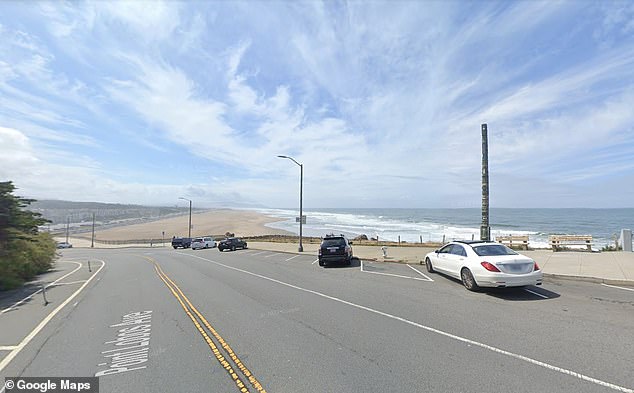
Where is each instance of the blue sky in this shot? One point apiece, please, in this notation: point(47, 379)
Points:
point(382, 102)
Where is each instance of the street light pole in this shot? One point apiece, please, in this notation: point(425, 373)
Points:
point(189, 234)
point(301, 187)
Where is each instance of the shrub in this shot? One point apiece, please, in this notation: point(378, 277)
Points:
point(24, 251)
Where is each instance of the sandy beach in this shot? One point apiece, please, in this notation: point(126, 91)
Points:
point(216, 222)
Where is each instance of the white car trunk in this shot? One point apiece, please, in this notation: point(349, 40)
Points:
point(511, 264)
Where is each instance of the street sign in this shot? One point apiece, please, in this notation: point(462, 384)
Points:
point(303, 219)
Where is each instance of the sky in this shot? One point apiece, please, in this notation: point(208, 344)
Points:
point(382, 102)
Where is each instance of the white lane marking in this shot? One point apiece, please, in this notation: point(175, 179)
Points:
point(272, 255)
point(41, 325)
point(40, 290)
point(315, 261)
point(261, 252)
point(66, 283)
point(433, 330)
point(421, 273)
point(614, 286)
point(393, 275)
point(8, 347)
point(536, 293)
point(292, 257)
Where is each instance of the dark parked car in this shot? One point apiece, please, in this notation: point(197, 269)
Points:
point(232, 243)
point(181, 242)
point(335, 249)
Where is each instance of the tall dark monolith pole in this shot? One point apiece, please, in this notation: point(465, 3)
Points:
point(485, 229)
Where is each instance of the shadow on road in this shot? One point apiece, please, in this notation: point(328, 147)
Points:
point(530, 293)
point(355, 263)
point(10, 297)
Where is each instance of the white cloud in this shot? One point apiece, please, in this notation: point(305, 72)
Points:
point(151, 20)
point(16, 154)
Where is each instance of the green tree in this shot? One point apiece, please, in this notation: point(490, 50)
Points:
point(24, 251)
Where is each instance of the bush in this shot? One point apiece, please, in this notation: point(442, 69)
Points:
point(24, 251)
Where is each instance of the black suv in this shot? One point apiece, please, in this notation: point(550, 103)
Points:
point(181, 242)
point(335, 248)
point(231, 243)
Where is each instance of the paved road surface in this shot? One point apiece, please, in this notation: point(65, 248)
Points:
point(205, 321)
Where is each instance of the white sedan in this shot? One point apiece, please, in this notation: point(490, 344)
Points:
point(64, 245)
point(484, 264)
point(203, 242)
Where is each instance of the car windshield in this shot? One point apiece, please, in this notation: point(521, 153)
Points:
point(493, 250)
point(197, 240)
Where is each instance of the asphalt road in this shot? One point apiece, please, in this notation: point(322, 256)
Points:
point(205, 321)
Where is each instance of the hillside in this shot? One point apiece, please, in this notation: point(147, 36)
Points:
point(107, 215)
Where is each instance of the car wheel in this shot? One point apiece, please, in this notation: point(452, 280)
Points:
point(321, 263)
point(233, 248)
point(428, 265)
point(468, 281)
point(349, 261)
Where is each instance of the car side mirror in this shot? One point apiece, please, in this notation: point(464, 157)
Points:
point(350, 243)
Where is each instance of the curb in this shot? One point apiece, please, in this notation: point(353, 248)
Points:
point(597, 280)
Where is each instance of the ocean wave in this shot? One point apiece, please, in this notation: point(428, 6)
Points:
point(404, 227)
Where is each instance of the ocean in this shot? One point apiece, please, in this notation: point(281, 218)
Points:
point(432, 225)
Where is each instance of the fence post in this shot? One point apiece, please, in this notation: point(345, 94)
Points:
point(44, 294)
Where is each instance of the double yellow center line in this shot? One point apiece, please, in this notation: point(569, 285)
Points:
point(201, 324)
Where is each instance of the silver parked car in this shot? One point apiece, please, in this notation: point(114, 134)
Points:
point(203, 242)
point(64, 245)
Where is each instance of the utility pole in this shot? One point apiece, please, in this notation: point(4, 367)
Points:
point(301, 213)
point(189, 234)
point(485, 229)
point(92, 240)
point(189, 230)
point(67, 227)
